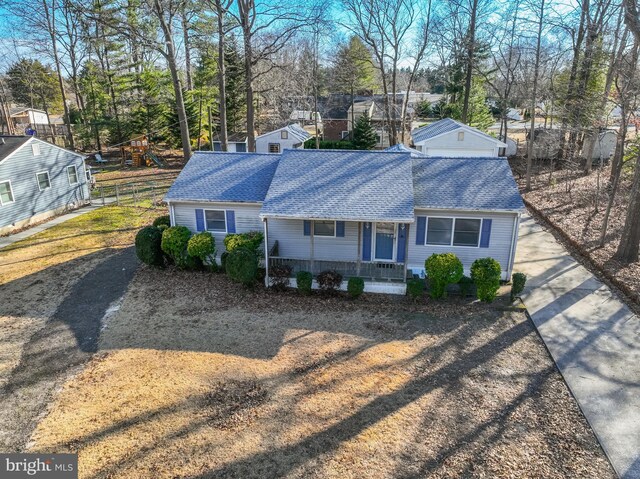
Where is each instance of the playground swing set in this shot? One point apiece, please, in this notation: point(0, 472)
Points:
point(139, 153)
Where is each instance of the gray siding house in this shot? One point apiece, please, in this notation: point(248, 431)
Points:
point(38, 180)
point(377, 215)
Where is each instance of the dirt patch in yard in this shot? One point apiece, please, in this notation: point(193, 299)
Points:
point(198, 377)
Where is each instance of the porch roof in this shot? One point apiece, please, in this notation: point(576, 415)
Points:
point(341, 185)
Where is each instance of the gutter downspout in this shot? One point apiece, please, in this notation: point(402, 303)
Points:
point(512, 250)
point(172, 214)
point(406, 250)
point(266, 252)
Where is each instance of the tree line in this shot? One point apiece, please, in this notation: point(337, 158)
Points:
point(186, 71)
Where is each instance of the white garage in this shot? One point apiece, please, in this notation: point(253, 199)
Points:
point(449, 138)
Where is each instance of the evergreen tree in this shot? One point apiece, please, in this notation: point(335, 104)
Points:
point(364, 136)
point(235, 87)
point(34, 85)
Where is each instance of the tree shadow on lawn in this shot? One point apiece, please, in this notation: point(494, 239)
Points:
point(66, 340)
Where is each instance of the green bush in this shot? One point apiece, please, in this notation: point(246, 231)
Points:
point(251, 240)
point(442, 270)
point(148, 246)
point(203, 246)
point(162, 220)
point(485, 273)
point(163, 227)
point(174, 244)
point(415, 288)
point(279, 276)
point(304, 281)
point(242, 266)
point(465, 284)
point(223, 261)
point(329, 280)
point(355, 286)
point(518, 280)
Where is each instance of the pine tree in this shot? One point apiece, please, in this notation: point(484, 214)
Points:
point(364, 136)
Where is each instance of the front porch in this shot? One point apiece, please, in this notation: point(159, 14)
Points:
point(368, 270)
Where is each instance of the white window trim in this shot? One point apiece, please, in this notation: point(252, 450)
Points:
point(35, 146)
point(453, 231)
point(48, 180)
point(13, 200)
point(395, 245)
point(206, 227)
point(335, 229)
point(284, 134)
point(75, 168)
point(274, 152)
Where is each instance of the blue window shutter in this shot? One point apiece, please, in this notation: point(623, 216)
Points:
point(306, 227)
point(421, 230)
point(486, 233)
point(200, 220)
point(340, 229)
point(366, 241)
point(402, 241)
point(231, 221)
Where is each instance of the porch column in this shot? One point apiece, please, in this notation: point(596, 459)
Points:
point(359, 258)
point(311, 251)
point(406, 249)
point(266, 251)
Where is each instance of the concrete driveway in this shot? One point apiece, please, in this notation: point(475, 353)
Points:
point(593, 337)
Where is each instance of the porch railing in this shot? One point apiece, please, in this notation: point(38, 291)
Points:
point(367, 270)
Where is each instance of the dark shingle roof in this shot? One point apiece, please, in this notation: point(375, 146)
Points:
point(443, 126)
point(341, 185)
point(9, 144)
point(465, 183)
point(216, 176)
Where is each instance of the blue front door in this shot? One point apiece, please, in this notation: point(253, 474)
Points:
point(384, 241)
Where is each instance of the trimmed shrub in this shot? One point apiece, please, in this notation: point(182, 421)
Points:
point(148, 246)
point(355, 286)
point(174, 244)
point(485, 273)
point(162, 220)
point(518, 280)
point(242, 266)
point(251, 240)
point(304, 281)
point(279, 276)
point(329, 280)
point(442, 270)
point(465, 284)
point(162, 227)
point(415, 288)
point(223, 261)
point(203, 246)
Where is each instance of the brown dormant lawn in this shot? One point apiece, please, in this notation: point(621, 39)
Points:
point(197, 377)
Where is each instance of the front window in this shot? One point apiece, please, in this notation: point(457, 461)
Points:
point(453, 231)
point(43, 180)
point(216, 220)
point(72, 174)
point(439, 231)
point(6, 193)
point(274, 147)
point(324, 228)
point(467, 232)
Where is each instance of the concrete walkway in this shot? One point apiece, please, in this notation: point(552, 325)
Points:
point(7, 240)
point(593, 337)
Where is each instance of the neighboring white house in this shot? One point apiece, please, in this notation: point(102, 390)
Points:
point(236, 142)
point(287, 137)
point(305, 116)
point(23, 116)
point(601, 147)
point(449, 138)
point(373, 214)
